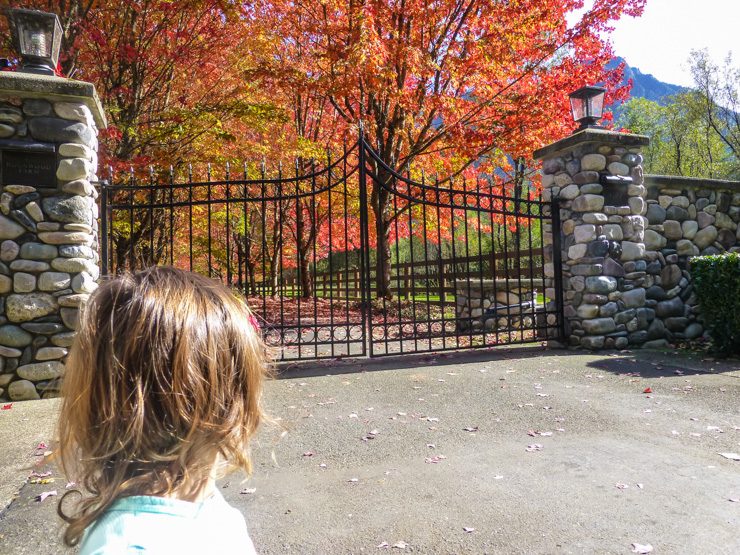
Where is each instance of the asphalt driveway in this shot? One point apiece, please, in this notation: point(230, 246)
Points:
point(521, 450)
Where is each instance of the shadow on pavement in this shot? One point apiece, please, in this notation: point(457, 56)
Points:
point(332, 367)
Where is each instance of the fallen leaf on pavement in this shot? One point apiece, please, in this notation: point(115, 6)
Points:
point(731, 456)
point(471, 429)
point(248, 491)
point(37, 474)
point(734, 499)
point(499, 477)
point(468, 530)
point(45, 494)
point(534, 447)
point(308, 454)
point(435, 459)
point(400, 545)
point(715, 429)
point(384, 545)
point(8, 406)
point(640, 548)
point(620, 485)
point(647, 390)
point(353, 480)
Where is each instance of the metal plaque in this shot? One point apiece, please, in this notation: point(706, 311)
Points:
point(37, 169)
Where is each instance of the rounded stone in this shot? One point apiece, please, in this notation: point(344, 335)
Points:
point(23, 265)
point(599, 326)
point(75, 251)
point(598, 248)
point(23, 283)
point(685, 247)
point(670, 307)
point(634, 298)
point(63, 339)
point(6, 284)
point(24, 308)
point(73, 209)
point(71, 316)
point(36, 107)
point(653, 240)
point(66, 237)
point(617, 168)
point(636, 204)
point(587, 311)
point(6, 131)
point(582, 178)
point(588, 203)
point(10, 229)
point(72, 150)
point(34, 211)
point(584, 233)
point(689, 229)
point(570, 192)
point(36, 251)
point(78, 187)
point(13, 336)
point(577, 251)
point(83, 283)
point(670, 276)
point(54, 281)
point(676, 213)
point(693, 330)
point(655, 214)
point(75, 111)
point(609, 309)
point(593, 162)
point(43, 328)
point(51, 353)
point(22, 390)
point(56, 130)
point(39, 371)
point(613, 232)
point(705, 237)
point(9, 250)
point(672, 230)
point(632, 251)
point(71, 169)
point(601, 284)
point(74, 265)
point(726, 238)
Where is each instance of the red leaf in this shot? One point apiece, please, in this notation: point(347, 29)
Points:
point(648, 390)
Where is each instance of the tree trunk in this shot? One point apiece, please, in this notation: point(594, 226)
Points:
point(381, 208)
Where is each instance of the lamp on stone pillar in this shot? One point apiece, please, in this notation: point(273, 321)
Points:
point(37, 37)
point(587, 106)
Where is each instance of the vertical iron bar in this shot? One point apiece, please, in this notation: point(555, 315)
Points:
point(558, 269)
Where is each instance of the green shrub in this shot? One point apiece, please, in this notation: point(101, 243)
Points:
point(717, 285)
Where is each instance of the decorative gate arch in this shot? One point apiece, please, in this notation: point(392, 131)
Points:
point(332, 271)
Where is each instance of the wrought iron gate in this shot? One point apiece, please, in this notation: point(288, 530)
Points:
point(348, 257)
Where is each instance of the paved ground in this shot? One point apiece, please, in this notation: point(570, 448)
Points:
point(616, 465)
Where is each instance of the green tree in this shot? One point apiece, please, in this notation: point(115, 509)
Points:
point(682, 141)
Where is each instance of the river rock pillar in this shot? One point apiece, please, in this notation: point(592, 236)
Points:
point(597, 177)
point(48, 225)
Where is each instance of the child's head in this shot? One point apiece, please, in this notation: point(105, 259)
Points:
point(164, 376)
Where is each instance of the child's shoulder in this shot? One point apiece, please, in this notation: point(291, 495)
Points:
point(146, 524)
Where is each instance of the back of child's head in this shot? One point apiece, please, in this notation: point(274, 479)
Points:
point(164, 375)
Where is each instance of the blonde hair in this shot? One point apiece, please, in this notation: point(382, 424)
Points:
point(165, 374)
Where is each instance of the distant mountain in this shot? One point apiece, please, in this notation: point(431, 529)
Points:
point(645, 85)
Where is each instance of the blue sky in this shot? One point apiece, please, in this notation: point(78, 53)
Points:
point(660, 41)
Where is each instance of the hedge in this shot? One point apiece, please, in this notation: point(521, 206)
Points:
point(717, 285)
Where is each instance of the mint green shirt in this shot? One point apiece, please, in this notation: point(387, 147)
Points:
point(159, 525)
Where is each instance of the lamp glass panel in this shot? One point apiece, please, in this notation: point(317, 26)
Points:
point(578, 107)
point(36, 36)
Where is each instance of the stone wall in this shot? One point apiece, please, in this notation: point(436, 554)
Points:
point(48, 232)
point(626, 241)
point(685, 217)
point(597, 177)
point(495, 305)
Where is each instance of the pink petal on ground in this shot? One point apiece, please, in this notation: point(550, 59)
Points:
point(640, 548)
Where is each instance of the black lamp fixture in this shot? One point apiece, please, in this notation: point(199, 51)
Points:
point(587, 106)
point(37, 37)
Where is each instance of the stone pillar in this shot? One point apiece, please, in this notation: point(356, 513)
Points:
point(48, 225)
point(597, 176)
